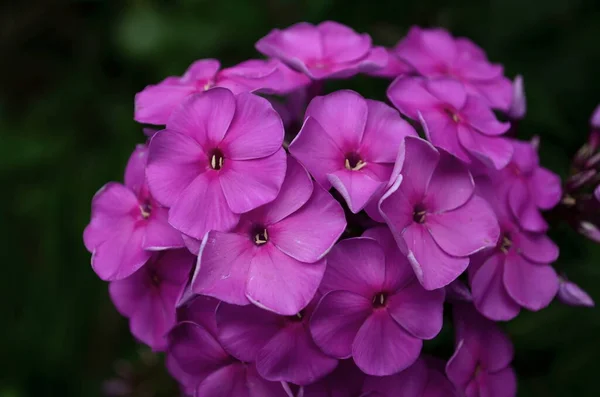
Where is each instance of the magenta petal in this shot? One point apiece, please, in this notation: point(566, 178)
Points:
point(409, 95)
point(292, 356)
point(481, 118)
point(465, 230)
point(121, 255)
point(301, 41)
point(280, 283)
point(547, 188)
point(489, 294)
point(256, 129)
point(155, 103)
point(447, 90)
point(535, 246)
point(531, 285)
point(295, 235)
point(442, 131)
point(498, 384)
point(295, 191)
point(200, 310)
point(317, 151)
point(524, 210)
point(451, 185)
point(493, 150)
point(135, 171)
point(251, 183)
point(341, 43)
point(204, 117)
point(409, 383)
point(356, 187)
point(396, 210)
point(202, 207)
point(336, 321)
point(356, 265)
point(433, 267)
point(244, 330)
point(174, 161)
point(223, 267)
point(384, 132)
point(418, 165)
point(160, 234)
point(343, 116)
point(382, 347)
point(461, 366)
point(417, 310)
point(227, 381)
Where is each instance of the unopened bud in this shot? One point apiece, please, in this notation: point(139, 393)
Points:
point(589, 230)
point(518, 108)
point(595, 119)
point(571, 294)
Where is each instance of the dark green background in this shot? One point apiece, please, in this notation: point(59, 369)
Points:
point(68, 74)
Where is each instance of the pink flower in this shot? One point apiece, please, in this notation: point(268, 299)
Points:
point(148, 296)
point(424, 378)
point(328, 50)
point(516, 273)
point(374, 310)
point(434, 215)
point(281, 346)
point(480, 366)
point(210, 370)
point(528, 187)
point(155, 103)
point(275, 258)
point(435, 53)
point(220, 156)
point(351, 143)
point(127, 224)
point(453, 120)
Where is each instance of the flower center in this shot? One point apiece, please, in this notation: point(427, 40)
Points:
point(296, 318)
point(353, 162)
point(505, 244)
point(453, 115)
point(379, 299)
point(260, 235)
point(419, 214)
point(216, 159)
point(208, 85)
point(146, 209)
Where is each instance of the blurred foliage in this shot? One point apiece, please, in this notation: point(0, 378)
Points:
point(69, 71)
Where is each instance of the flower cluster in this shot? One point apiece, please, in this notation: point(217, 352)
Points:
point(268, 260)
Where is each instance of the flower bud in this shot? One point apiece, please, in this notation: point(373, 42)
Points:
point(518, 108)
point(571, 294)
point(595, 119)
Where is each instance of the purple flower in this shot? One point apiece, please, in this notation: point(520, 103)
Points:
point(212, 371)
point(480, 366)
point(275, 258)
point(155, 103)
point(528, 187)
point(351, 143)
point(281, 345)
point(453, 120)
point(328, 50)
point(434, 215)
point(435, 53)
point(374, 309)
point(571, 294)
point(518, 107)
point(220, 156)
point(516, 273)
point(345, 381)
point(127, 224)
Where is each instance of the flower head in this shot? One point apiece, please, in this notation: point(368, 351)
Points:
point(327, 50)
point(453, 120)
point(374, 310)
point(220, 156)
point(435, 53)
point(149, 295)
point(127, 224)
point(351, 143)
point(434, 215)
point(281, 346)
point(155, 103)
point(480, 365)
point(275, 257)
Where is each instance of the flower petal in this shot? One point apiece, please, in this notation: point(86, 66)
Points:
point(256, 129)
point(451, 185)
point(202, 69)
point(408, 383)
point(227, 381)
point(382, 347)
point(465, 230)
point(223, 267)
point(356, 187)
point(493, 150)
point(336, 321)
point(135, 171)
point(433, 267)
point(449, 91)
point(535, 246)
point(300, 41)
point(531, 285)
point(280, 283)
point(481, 118)
point(417, 310)
point(292, 356)
point(442, 131)
point(155, 103)
point(202, 207)
point(251, 183)
point(461, 366)
point(498, 384)
point(356, 265)
point(523, 208)
point(410, 96)
point(341, 43)
point(547, 186)
point(160, 234)
point(295, 235)
point(121, 255)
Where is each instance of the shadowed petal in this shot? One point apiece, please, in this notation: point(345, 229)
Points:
point(547, 187)
point(356, 187)
point(498, 384)
point(523, 208)
point(155, 103)
point(408, 383)
point(535, 246)
point(489, 294)
point(495, 151)
point(530, 285)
